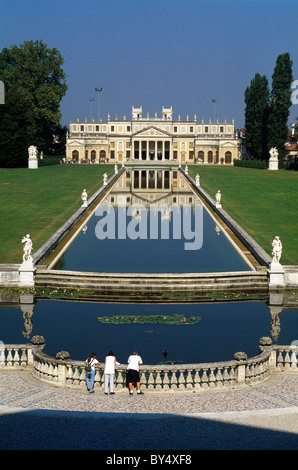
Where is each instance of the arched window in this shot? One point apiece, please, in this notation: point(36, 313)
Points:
point(210, 156)
point(75, 156)
point(93, 156)
point(102, 155)
point(228, 157)
point(201, 156)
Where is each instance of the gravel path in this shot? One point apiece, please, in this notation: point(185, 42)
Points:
point(261, 417)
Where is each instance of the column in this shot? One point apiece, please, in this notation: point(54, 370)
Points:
point(163, 150)
point(147, 150)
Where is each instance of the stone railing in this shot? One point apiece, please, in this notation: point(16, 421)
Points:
point(156, 378)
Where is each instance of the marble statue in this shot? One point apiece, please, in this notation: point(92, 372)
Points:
point(186, 169)
point(218, 199)
point(84, 197)
point(32, 160)
point(27, 248)
point(116, 169)
point(273, 160)
point(105, 179)
point(276, 250)
point(197, 179)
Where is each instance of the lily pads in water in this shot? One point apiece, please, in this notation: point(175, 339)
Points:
point(152, 319)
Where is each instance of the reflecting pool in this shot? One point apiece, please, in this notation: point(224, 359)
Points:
point(151, 222)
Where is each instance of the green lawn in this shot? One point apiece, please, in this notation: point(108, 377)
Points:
point(39, 201)
point(263, 202)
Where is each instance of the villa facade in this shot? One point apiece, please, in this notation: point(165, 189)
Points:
point(143, 139)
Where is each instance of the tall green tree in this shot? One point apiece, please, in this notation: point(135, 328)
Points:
point(35, 84)
point(280, 103)
point(256, 114)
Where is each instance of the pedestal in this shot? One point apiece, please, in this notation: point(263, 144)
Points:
point(32, 163)
point(27, 272)
point(276, 276)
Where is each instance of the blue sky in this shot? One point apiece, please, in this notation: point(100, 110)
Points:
point(158, 52)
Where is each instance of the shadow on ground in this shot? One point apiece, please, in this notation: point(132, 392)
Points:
point(54, 430)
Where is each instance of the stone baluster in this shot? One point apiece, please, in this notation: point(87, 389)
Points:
point(294, 359)
point(69, 375)
point(181, 380)
point(189, 379)
point(280, 359)
point(287, 364)
point(9, 358)
point(24, 357)
point(174, 381)
point(204, 379)
point(16, 358)
point(212, 377)
point(76, 377)
point(197, 380)
point(143, 380)
point(219, 377)
point(166, 381)
point(158, 380)
point(150, 381)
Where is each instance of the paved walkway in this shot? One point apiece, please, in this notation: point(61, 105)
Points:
point(37, 416)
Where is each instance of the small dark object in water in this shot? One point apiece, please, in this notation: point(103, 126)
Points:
point(165, 353)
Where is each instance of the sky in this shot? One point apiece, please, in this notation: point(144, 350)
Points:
point(154, 53)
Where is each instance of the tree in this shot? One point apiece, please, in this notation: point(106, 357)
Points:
point(35, 83)
point(256, 115)
point(280, 103)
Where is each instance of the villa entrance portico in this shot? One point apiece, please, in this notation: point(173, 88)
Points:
point(152, 144)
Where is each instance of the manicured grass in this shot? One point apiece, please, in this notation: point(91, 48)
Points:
point(263, 202)
point(39, 201)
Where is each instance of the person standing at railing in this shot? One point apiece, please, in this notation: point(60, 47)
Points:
point(133, 376)
point(90, 364)
point(110, 363)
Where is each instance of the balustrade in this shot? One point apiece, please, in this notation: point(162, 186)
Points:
point(165, 378)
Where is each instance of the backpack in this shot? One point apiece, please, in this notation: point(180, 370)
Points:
point(88, 367)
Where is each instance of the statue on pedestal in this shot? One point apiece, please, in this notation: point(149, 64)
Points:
point(276, 250)
point(116, 169)
point(32, 160)
point(197, 179)
point(27, 248)
point(105, 179)
point(84, 197)
point(273, 160)
point(218, 199)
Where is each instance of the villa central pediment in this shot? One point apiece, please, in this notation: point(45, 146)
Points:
point(152, 131)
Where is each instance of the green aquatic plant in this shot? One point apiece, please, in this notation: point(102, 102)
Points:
point(152, 319)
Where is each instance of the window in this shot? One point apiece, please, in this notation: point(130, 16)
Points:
point(128, 128)
point(97, 128)
point(221, 129)
point(191, 129)
point(112, 128)
point(82, 128)
point(206, 128)
point(175, 128)
point(112, 153)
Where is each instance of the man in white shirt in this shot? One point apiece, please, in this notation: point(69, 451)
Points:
point(133, 376)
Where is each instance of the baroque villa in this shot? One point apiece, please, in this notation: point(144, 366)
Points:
point(143, 139)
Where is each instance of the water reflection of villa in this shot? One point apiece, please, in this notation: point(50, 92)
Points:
point(158, 139)
point(146, 187)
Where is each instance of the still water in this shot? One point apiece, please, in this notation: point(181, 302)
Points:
point(152, 223)
point(224, 328)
